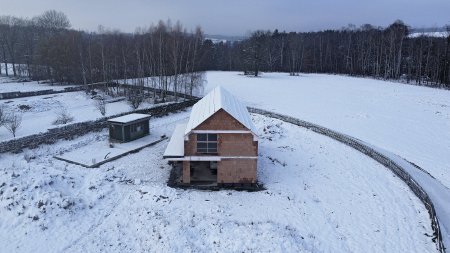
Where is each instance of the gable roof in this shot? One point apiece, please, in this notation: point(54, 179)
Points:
point(217, 99)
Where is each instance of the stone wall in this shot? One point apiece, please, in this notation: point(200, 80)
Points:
point(372, 153)
point(82, 128)
point(18, 94)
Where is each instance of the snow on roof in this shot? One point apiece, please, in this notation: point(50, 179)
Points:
point(175, 148)
point(217, 99)
point(129, 118)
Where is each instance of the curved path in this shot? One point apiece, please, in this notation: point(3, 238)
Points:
point(434, 195)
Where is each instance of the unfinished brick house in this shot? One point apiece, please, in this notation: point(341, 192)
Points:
point(218, 146)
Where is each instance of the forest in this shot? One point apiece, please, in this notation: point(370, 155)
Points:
point(45, 47)
point(384, 53)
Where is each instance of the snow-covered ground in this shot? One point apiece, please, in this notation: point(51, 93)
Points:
point(410, 121)
point(44, 109)
point(429, 34)
point(11, 84)
point(321, 196)
point(20, 69)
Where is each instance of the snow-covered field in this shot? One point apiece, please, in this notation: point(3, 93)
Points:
point(411, 121)
point(321, 196)
point(44, 109)
point(429, 34)
point(11, 84)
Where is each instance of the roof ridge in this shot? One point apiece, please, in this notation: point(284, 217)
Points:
point(219, 98)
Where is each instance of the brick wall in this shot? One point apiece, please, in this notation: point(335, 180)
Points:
point(229, 171)
point(229, 144)
point(236, 171)
point(221, 120)
point(186, 172)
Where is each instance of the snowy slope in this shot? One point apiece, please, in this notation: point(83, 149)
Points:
point(411, 121)
point(321, 196)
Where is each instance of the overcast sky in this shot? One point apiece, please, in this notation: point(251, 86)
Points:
point(237, 17)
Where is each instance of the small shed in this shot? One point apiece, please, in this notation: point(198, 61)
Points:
point(129, 127)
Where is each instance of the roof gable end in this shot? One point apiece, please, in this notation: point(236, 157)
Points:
point(217, 99)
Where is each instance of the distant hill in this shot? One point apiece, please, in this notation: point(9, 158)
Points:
point(427, 29)
point(215, 38)
point(430, 31)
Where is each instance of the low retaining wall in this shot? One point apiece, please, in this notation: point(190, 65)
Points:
point(158, 91)
point(387, 162)
point(19, 94)
point(114, 157)
point(82, 128)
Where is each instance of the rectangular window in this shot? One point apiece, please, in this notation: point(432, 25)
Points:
point(207, 143)
point(136, 128)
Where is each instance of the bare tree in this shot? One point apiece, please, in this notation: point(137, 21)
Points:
point(62, 116)
point(13, 122)
point(135, 98)
point(3, 48)
point(100, 104)
point(53, 20)
point(10, 33)
point(3, 115)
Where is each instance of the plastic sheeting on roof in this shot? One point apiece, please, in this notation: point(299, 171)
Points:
point(217, 99)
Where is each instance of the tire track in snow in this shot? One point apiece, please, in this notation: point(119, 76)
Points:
point(97, 224)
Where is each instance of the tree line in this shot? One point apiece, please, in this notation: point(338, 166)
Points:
point(46, 48)
point(386, 53)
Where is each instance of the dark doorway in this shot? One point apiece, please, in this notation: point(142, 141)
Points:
point(204, 172)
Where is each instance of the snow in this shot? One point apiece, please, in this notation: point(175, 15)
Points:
point(175, 148)
point(321, 196)
point(438, 193)
point(219, 98)
point(21, 69)
point(429, 34)
point(43, 111)
point(102, 150)
point(10, 84)
point(410, 121)
point(129, 118)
